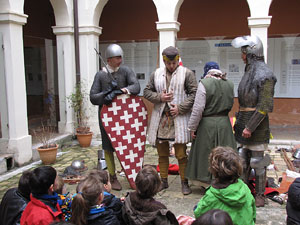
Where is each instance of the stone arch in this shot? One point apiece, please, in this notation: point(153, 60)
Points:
point(259, 8)
point(63, 11)
point(167, 10)
point(11, 5)
point(98, 11)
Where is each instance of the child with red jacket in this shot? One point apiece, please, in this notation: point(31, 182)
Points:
point(43, 207)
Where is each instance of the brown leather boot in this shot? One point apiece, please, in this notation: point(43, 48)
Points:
point(260, 200)
point(115, 184)
point(185, 188)
point(164, 184)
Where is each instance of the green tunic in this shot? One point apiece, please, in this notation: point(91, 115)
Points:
point(214, 128)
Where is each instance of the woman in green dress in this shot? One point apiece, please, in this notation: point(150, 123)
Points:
point(209, 123)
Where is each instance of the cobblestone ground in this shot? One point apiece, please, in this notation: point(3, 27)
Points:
point(271, 214)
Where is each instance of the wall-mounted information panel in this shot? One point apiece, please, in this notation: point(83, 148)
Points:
point(283, 59)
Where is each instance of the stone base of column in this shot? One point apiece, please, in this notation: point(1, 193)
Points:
point(64, 127)
point(21, 148)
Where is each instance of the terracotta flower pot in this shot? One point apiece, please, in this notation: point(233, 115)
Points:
point(84, 139)
point(48, 155)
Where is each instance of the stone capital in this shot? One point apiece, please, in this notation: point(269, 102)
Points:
point(13, 17)
point(90, 30)
point(168, 26)
point(63, 30)
point(259, 21)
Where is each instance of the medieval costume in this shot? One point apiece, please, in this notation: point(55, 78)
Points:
point(210, 121)
point(255, 95)
point(164, 127)
point(106, 86)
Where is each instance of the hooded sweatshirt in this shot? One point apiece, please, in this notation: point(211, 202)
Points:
point(236, 199)
point(138, 211)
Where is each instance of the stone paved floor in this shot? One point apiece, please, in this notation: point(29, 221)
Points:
point(271, 214)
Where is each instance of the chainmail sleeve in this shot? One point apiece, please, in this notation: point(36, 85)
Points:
point(264, 105)
point(265, 96)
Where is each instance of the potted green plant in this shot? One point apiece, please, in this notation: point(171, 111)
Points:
point(48, 149)
point(76, 100)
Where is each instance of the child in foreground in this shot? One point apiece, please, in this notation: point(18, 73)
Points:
point(64, 200)
point(43, 207)
point(110, 201)
point(140, 207)
point(87, 207)
point(227, 192)
point(214, 217)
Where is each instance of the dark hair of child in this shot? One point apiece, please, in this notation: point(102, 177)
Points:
point(102, 175)
point(41, 179)
point(214, 217)
point(147, 182)
point(225, 166)
point(59, 185)
point(23, 186)
point(88, 195)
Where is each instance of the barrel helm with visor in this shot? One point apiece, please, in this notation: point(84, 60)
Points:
point(249, 44)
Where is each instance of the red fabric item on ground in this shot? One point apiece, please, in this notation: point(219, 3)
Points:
point(268, 190)
point(173, 169)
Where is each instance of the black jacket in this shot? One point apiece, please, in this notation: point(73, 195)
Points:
point(293, 203)
point(106, 217)
point(115, 204)
point(12, 207)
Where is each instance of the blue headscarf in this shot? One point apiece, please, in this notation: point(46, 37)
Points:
point(210, 65)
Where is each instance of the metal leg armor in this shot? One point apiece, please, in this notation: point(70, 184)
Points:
point(245, 154)
point(259, 163)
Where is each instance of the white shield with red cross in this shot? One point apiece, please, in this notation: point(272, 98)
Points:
point(125, 122)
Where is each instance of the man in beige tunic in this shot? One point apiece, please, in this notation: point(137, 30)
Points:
point(172, 90)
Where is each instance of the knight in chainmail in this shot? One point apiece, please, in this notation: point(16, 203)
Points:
point(117, 80)
point(255, 95)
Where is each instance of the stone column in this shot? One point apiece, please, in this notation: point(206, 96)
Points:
point(167, 36)
point(66, 76)
point(89, 63)
point(259, 20)
point(259, 27)
point(167, 25)
point(14, 117)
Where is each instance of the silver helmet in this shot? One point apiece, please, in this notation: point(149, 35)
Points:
point(78, 164)
point(251, 44)
point(113, 50)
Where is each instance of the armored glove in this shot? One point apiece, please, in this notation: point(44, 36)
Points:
point(110, 96)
